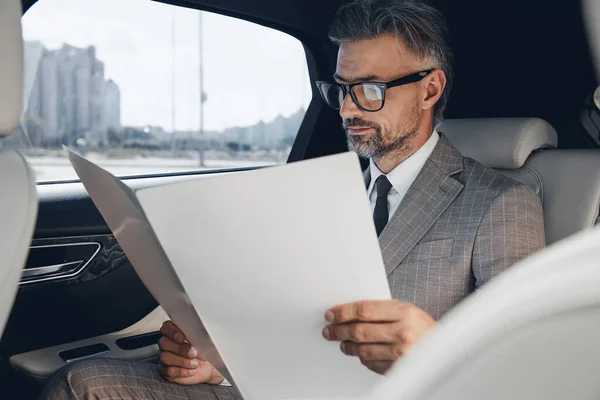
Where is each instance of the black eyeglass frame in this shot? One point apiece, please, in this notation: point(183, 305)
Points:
point(383, 86)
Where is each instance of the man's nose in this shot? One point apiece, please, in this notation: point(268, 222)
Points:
point(349, 109)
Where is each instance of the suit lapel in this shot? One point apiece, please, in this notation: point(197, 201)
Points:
point(429, 196)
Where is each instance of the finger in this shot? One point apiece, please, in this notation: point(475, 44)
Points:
point(189, 380)
point(366, 311)
point(170, 373)
point(372, 352)
point(171, 330)
point(380, 367)
point(184, 349)
point(175, 360)
point(360, 332)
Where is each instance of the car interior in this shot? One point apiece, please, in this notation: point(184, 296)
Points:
point(16, 177)
point(522, 104)
point(530, 333)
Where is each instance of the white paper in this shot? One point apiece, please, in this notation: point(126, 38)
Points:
point(259, 256)
point(262, 256)
point(124, 216)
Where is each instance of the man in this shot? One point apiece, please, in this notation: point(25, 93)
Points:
point(447, 224)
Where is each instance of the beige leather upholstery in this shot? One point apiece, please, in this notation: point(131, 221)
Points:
point(17, 219)
point(567, 181)
point(530, 333)
point(503, 144)
point(17, 182)
point(499, 142)
point(11, 65)
point(571, 190)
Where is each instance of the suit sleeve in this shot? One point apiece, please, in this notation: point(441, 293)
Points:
point(511, 229)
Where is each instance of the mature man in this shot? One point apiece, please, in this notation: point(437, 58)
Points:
point(447, 224)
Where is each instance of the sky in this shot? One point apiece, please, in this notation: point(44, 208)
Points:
point(251, 72)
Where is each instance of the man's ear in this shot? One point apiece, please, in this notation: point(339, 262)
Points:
point(434, 84)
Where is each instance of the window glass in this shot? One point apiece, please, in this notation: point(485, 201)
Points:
point(120, 82)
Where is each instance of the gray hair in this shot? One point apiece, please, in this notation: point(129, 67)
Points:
point(421, 26)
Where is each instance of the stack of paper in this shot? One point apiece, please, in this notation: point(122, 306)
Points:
point(247, 264)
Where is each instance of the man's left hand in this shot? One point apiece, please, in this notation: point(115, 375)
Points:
point(378, 332)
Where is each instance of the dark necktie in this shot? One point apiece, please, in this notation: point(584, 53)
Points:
point(381, 213)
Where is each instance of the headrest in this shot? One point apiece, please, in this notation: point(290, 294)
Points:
point(499, 142)
point(11, 65)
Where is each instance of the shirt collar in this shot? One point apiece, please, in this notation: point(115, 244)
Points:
point(406, 172)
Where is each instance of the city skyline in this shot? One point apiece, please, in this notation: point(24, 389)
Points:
point(71, 99)
point(41, 62)
point(252, 73)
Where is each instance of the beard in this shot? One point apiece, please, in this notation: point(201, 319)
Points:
point(376, 145)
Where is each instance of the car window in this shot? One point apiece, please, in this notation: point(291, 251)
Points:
point(120, 83)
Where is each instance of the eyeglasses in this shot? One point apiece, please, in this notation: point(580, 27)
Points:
point(368, 96)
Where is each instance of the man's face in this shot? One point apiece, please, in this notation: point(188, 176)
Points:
point(391, 129)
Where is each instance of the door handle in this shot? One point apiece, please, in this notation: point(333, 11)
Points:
point(57, 270)
point(58, 261)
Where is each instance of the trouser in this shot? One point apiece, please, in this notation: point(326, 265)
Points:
point(108, 379)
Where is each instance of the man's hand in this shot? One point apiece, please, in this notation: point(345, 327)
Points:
point(180, 362)
point(378, 332)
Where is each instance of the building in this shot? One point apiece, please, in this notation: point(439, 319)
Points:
point(112, 106)
point(68, 93)
point(269, 135)
point(49, 96)
point(33, 52)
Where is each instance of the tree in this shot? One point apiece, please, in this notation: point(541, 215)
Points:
point(233, 146)
point(33, 128)
point(114, 137)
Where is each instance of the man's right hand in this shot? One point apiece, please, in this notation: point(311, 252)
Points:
point(180, 363)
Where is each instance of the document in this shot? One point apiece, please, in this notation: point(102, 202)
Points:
point(125, 217)
point(247, 264)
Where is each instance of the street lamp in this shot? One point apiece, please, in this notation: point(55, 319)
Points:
point(202, 95)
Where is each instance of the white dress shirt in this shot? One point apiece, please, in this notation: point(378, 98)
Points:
point(401, 177)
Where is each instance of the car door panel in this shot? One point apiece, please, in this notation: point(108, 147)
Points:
point(136, 342)
point(104, 297)
point(66, 209)
point(79, 289)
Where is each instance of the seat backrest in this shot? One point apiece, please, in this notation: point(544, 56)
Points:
point(530, 333)
point(18, 208)
point(504, 144)
point(567, 181)
point(571, 190)
point(11, 66)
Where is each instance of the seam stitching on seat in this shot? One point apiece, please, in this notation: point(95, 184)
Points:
point(538, 179)
point(596, 217)
point(522, 141)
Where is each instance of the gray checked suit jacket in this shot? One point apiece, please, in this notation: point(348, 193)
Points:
point(459, 225)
